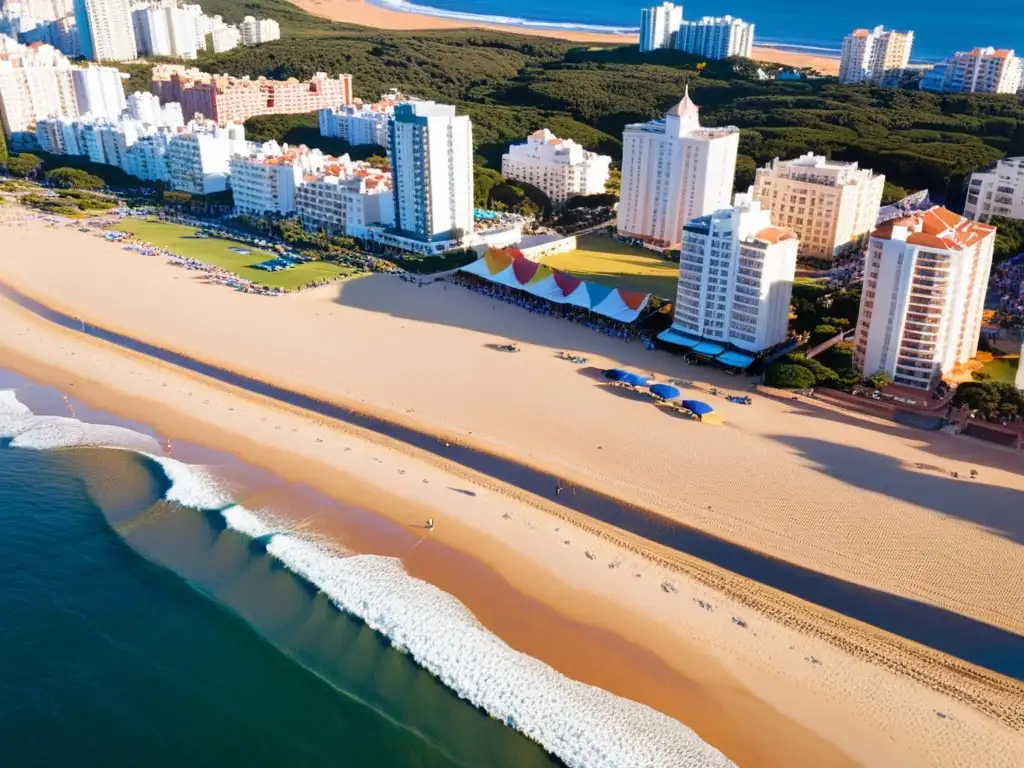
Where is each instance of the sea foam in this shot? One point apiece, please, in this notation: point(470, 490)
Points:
point(585, 726)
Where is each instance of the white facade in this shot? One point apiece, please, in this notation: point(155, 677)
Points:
point(357, 124)
point(146, 108)
point(736, 275)
point(560, 168)
point(224, 37)
point(255, 31)
point(431, 154)
point(658, 26)
point(829, 204)
point(673, 170)
point(105, 30)
point(346, 199)
point(998, 191)
point(876, 57)
point(28, 94)
point(199, 162)
point(716, 37)
point(99, 91)
point(925, 278)
point(164, 28)
point(264, 180)
point(983, 70)
point(147, 157)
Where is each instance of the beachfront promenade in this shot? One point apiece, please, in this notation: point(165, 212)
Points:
point(866, 501)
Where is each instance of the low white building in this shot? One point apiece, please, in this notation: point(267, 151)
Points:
point(358, 124)
point(736, 272)
point(264, 179)
point(925, 278)
point(199, 161)
point(346, 198)
point(560, 168)
point(997, 191)
point(255, 31)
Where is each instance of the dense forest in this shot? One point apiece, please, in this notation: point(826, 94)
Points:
point(512, 84)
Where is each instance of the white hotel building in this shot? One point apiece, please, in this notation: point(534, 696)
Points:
point(982, 70)
point(925, 278)
point(829, 204)
point(876, 57)
point(658, 26)
point(431, 154)
point(346, 198)
point(264, 180)
point(105, 30)
point(199, 161)
point(673, 170)
point(255, 31)
point(165, 28)
point(736, 273)
point(716, 37)
point(998, 191)
point(560, 168)
point(358, 124)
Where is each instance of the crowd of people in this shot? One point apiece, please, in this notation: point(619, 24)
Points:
point(539, 306)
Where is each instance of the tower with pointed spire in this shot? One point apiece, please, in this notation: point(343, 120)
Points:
point(674, 170)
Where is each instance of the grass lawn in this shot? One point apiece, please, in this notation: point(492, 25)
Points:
point(181, 240)
point(604, 260)
point(1002, 368)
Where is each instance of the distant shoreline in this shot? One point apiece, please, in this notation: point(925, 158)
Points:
point(390, 16)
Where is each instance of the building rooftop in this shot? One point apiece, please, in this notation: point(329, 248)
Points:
point(775, 235)
point(937, 228)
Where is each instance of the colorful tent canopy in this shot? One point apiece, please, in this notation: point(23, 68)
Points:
point(665, 391)
point(510, 268)
point(698, 407)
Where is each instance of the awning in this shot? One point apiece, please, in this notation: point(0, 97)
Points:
point(735, 359)
point(698, 407)
point(672, 336)
point(665, 391)
point(709, 348)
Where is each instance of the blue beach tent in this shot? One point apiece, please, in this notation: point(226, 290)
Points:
point(664, 391)
point(698, 407)
point(635, 379)
point(615, 374)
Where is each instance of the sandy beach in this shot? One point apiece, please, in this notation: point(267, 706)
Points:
point(370, 15)
point(869, 502)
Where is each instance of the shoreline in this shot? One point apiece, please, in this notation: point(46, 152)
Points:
point(739, 704)
point(857, 706)
point(370, 14)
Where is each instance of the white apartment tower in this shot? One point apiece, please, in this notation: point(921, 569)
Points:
point(199, 162)
point(105, 30)
point(925, 278)
point(829, 204)
point(997, 191)
point(165, 28)
point(673, 170)
point(876, 57)
point(716, 37)
point(982, 70)
point(265, 179)
point(431, 154)
point(658, 25)
point(99, 91)
point(736, 273)
point(255, 31)
point(560, 168)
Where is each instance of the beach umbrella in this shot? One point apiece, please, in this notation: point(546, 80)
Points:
point(615, 374)
point(698, 407)
point(664, 391)
point(635, 379)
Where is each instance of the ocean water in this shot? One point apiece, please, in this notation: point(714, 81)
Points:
point(940, 27)
point(149, 617)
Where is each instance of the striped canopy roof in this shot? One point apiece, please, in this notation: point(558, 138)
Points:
point(510, 268)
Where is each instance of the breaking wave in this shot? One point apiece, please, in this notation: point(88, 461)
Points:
point(584, 726)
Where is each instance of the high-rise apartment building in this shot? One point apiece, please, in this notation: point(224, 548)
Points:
point(997, 191)
point(674, 170)
point(346, 198)
point(983, 70)
point(716, 37)
point(829, 204)
point(358, 124)
point(431, 154)
point(658, 26)
point(255, 31)
point(875, 57)
point(925, 278)
point(99, 91)
point(165, 28)
point(225, 99)
point(105, 30)
point(736, 273)
point(560, 168)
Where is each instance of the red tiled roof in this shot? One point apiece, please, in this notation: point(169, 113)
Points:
point(937, 228)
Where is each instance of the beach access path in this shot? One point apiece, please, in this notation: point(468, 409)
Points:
point(827, 699)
